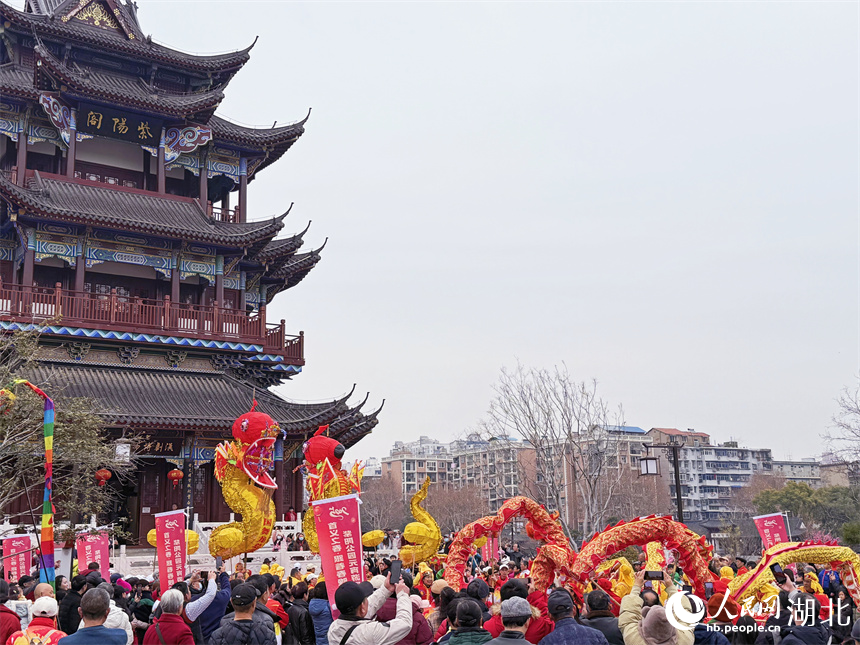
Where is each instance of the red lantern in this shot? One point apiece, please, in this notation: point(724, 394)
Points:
point(102, 476)
point(175, 476)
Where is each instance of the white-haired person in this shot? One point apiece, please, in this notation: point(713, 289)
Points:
point(170, 627)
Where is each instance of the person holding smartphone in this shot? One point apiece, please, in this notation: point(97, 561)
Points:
point(358, 604)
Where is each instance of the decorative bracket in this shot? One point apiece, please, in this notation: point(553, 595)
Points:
point(127, 355)
point(61, 116)
point(77, 351)
point(175, 358)
point(184, 140)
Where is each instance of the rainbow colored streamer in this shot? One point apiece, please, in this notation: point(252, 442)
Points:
point(46, 562)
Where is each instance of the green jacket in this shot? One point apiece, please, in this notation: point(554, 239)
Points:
point(476, 637)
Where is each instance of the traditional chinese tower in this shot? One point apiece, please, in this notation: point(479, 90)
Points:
point(125, 233)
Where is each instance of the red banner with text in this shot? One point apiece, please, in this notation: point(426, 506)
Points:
point(93, 547)
point(490, 551)
point(339, 531)
point(772, 529)
point(170, 536)
point(17, 556)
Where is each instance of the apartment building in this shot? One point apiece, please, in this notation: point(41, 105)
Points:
point(496, 466)
point(807, 471)
point(709, 473)
point(372, 468)
point(409, 463)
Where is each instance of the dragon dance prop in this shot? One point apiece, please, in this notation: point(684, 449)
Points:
point(554, 555)
point(694, 552)
point(326, 477)
point(424, 534)
point(758, 581)
point(192, 540)
point(46, 539)
point(241, 467)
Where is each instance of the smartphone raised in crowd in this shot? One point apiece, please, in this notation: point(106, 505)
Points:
point(778, 574)
point(394, 570)
point(709, 590)
point(219, 562)
point(653, 575)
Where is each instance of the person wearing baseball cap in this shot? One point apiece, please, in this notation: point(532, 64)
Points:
point(42, 627)
point(358, 605)
point(562, 610)
point(242, 628)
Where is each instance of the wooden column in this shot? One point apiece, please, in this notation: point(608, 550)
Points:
point(80, 273)
point(204, 185)
point(225, 202)
point(174, 281)
point(22, 157)
point(279, 480)
point(29, 259)
point(219, 289)
point(73, 147)
point(243, 190)
point(161, 169)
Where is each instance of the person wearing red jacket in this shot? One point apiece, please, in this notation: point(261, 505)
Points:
point(170, 627)
point(43, 625)
point(539, 626)
point(9, 621)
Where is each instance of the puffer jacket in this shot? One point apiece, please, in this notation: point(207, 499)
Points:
point(242, 631)
point(321, 615)
point(370, 632)
point(9, 623)
point(420, 634)
point(818, 634)
point(117, 619)
point(470, 636)
point(631, 616)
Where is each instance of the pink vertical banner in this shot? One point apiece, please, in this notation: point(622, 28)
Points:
point(339, 531)
point(771, 528)
point(93, 547)
point(170, 536)
point(17, 556)
point(490, 551)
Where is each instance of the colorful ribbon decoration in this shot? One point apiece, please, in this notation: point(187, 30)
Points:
point(46, 561)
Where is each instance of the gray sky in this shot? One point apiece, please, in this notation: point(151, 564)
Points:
point(662, 195)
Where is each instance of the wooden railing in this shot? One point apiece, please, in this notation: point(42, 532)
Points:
point(122, 313)
point(231, 216)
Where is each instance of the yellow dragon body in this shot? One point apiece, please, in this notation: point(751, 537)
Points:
point(424, 533)
point(241, 467)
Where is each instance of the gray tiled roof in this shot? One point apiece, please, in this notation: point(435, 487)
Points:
point(133, 397)
point(177, 217)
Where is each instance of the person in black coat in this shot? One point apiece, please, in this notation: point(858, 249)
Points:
point(601, 618)
point(240, 627)
point(301, 628)
point(67, 615)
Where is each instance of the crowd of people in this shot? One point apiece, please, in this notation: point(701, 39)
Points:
point(499, 605)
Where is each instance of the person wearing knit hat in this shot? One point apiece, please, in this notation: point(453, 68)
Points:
point(42, 627)
point(516, 616)
point(723, 612)
point(649, 625)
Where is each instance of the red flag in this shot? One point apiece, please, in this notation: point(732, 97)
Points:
point(170, 532)
point(771, 528)
point(339, 531)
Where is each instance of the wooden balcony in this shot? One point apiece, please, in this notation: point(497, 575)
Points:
point(117, 313)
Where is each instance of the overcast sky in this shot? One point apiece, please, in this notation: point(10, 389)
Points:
point(662, 195)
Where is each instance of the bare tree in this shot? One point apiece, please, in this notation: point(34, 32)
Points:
point(568, 425)
point(382, 505)
point(742, 504)
point(453, 508)
point(844, 438)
